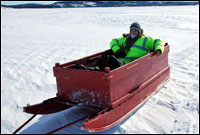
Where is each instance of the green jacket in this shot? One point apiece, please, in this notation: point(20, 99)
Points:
point(141, 47)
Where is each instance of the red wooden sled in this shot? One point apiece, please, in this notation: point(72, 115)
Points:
point(115, 94)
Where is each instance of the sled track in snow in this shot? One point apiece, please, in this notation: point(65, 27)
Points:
point(187, 52)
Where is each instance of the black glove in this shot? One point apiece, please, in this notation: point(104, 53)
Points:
point(120, 53)
point(158, 52)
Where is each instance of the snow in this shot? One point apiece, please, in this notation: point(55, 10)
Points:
point(33, 40)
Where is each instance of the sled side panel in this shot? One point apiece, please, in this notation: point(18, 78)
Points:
point(131, 76)
point(133, 103)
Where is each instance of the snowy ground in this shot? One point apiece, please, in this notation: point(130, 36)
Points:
point(33, 40)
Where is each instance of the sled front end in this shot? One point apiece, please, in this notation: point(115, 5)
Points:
point(82, 86)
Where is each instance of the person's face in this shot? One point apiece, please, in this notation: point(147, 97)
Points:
point(134, 31)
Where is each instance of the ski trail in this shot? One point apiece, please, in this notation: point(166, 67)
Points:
point(185, 53)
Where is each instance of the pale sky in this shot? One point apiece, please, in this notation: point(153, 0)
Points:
point(25, 2)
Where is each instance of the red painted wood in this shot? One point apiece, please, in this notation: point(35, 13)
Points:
point(46, 107)
point(125, 108)
point(102, 88)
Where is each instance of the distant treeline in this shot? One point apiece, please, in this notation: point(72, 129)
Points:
point(79, 4)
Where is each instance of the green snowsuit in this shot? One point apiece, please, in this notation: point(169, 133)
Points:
point(140, 48)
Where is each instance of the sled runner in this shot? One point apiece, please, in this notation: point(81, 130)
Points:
point(113, 95)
